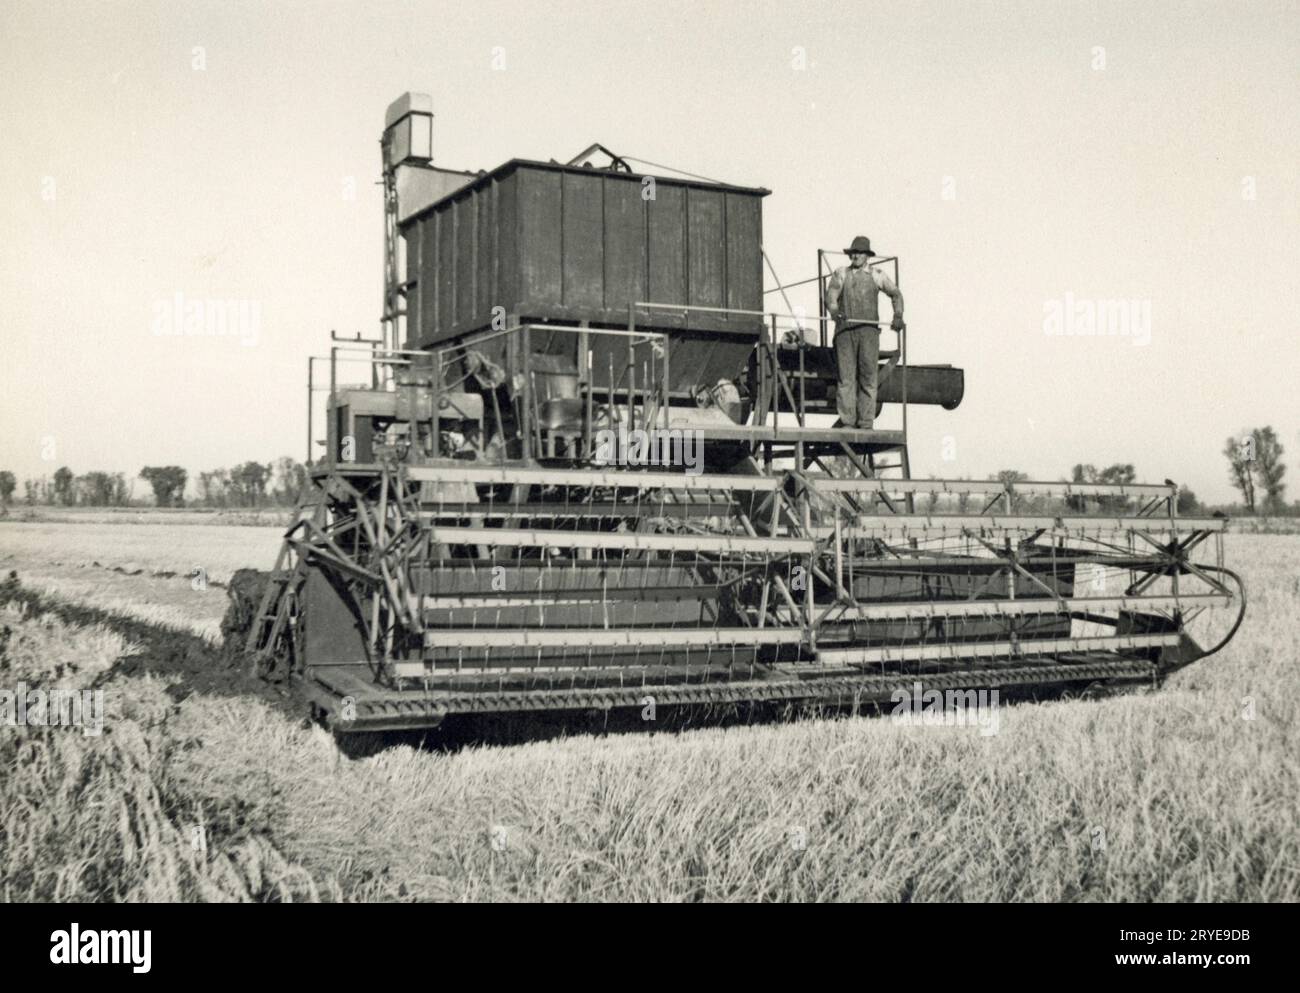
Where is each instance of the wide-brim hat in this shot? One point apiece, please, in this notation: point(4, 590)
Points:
point(860, 244)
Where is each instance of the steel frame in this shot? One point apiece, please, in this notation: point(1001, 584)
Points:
point(376, 537)
point(717, 561)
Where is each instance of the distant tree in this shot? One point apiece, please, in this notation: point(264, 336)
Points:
point(214, 487)
point(1255, 466)
point(290, 480)
point(95, 489)
point(31, 490)
point(1008, 477)
point(1121, 473)
point(64, 492)
point(249, 482)
point(7, 485)
point(168, 484)
point(122, 490)
point(1269, 468)
point(1238, 452)
point(1187, 502)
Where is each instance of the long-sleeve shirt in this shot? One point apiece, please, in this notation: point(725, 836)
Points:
point(852, 294)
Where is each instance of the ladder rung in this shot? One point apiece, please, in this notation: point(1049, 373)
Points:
point(1007, 607)
point(994, 649)
point(582, 638)
point(586, 478)
point(951, 524)
point(627, 541)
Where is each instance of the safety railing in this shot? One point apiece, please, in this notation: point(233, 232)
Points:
point(648, 395)
point(778, 394)
point(376, 357)
point(773, 383)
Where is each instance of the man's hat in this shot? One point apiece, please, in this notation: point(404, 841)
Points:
point(860, 244)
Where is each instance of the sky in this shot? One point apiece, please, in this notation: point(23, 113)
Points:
point(1024, 160)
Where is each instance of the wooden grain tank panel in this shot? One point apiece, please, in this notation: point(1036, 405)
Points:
point(706, 249)
point(550, 242)
point(626, 256)
point(666, 244)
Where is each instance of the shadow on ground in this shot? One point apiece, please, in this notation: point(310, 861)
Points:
point(164, 651)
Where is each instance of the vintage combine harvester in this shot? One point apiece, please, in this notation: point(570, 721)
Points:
point(585, 472)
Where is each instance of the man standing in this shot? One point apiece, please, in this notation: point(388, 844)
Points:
point(851, 299)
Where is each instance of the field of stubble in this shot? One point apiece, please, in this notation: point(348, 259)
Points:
point(206, 784)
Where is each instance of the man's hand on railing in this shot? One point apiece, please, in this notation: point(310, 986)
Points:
point(898, 324)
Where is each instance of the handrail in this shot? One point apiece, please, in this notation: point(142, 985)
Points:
point(772, 390)
point(773, 381)
point(880, 259)
point(526, 400)
point(645, 336)
point(372, 356)
point(1036, 487)
point(687, 308)
point(1004, 494)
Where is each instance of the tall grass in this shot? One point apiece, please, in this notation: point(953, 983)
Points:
point(1188, 793)
point(95, 817)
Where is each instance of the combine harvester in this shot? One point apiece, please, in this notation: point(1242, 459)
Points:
point(484, 534)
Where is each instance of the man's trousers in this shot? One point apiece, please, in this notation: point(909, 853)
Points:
point(857, 353)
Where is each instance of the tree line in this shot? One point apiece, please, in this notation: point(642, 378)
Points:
point(1255, 469)
point(1118, 474)
point(251, 484)
point(66, 489)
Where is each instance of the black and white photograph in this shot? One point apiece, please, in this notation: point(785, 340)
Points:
point(584, 452)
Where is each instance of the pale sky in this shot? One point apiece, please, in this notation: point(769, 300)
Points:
point(1010, 153)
